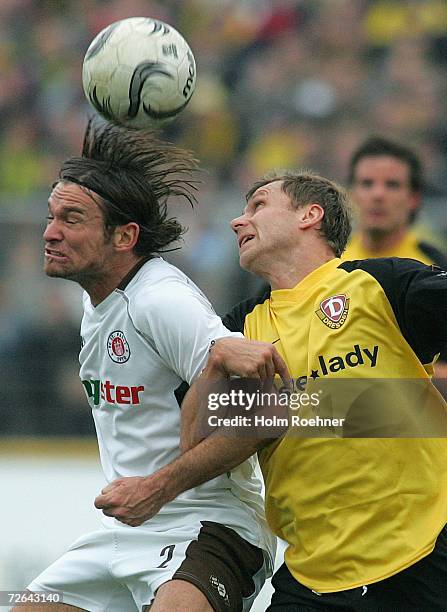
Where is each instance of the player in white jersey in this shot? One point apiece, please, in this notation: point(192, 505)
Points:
point(146, 331)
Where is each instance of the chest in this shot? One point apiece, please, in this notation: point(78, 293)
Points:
point(328, 333)
point(120, 365)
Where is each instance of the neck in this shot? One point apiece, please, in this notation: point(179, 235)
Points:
point(376, 241)
point(100, 286)
point(289, 273)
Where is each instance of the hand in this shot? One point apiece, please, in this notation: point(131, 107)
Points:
point(133, 500)
point(248, 359)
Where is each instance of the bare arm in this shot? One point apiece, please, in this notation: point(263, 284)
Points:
point(229, 356)
point(136, 499)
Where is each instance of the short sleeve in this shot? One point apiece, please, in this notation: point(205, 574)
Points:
point(425, 310)
point(181, 323)
point(235, 319)
point(418, 296)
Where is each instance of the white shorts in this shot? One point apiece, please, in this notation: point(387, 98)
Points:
point(120, 570)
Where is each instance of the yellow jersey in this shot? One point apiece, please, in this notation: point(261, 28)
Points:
point(355, 510)
point(410, 246)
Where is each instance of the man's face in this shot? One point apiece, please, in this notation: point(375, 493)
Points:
point(266, 229)
point(76, 247)
point(382, 194)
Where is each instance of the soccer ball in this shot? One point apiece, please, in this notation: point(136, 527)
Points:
point(139, 72)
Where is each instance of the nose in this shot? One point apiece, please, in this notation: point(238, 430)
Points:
point(238, 223)
point(52, 231)
point(378, 191)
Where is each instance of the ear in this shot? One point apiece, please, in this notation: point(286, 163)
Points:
point(310, 216)
point(415, 200)
point(125, 237)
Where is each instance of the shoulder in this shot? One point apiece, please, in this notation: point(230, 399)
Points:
point(159, 283)
point(394, 274)
point(234, 320)
point(383, 266)
point(163, 296)
point(387, 268)
point(156, 273)
point(434, 254)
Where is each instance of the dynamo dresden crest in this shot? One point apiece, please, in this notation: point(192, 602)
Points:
point(333, 311)
point(117, 347)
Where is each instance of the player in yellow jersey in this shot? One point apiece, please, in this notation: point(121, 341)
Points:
point(386, 182)
point(364, 517)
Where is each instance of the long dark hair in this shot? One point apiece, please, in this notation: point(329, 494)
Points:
point(134, 173)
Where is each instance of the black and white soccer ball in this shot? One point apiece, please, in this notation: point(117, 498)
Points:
point(139, 72)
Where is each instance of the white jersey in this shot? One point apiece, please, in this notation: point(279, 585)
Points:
point(139, 345)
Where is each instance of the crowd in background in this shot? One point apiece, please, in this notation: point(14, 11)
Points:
point(281, 84)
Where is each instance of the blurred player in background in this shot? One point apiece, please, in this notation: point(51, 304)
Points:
point(386, 181)
point(146, 332)
point(364, 516)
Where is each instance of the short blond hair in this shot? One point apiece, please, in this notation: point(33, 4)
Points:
point(306, 187)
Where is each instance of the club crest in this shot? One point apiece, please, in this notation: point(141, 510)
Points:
point(333, 311)
point(118, 347)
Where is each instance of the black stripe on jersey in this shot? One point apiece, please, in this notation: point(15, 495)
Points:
point(437, 256)
point(418, 296)
point(235, 319)
point(439, 259)
point(129, 276)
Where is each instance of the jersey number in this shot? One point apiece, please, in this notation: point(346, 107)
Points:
point(168, 551)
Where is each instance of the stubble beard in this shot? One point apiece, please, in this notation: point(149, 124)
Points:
point(53, 272)
point(82, 277)
point(253, 265)
point(376, 234)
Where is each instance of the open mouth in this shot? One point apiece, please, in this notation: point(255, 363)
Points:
point(244, 240)
point(54, 254)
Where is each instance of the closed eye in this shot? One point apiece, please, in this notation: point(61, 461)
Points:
point(66, 220)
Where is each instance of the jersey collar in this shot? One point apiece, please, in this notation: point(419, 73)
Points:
point(129, 276)
point(304, 287)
